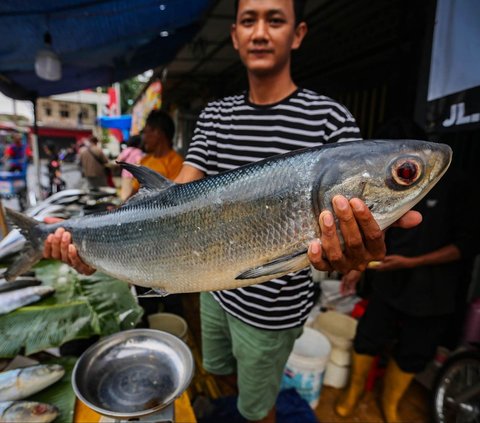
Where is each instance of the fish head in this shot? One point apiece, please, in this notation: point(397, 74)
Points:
point(390, 176)
point(31, 411)
point(47, 372)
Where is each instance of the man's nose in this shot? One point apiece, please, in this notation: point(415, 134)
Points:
point(260, 30)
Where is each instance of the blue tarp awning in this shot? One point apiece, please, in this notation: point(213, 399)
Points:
point(123, 123)
point(99, 42)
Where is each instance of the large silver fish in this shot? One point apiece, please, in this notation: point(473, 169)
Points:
point(27, 412)
point(244, 226)
point(20, 383)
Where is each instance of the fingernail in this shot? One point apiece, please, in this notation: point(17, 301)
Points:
point(341, 203)
point(357, 204)
point(315, 249)
point(327, 219)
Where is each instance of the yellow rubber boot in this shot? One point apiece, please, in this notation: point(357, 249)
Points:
point(347, 402)
point(396, 383)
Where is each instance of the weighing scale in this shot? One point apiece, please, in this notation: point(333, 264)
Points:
point(134, 375)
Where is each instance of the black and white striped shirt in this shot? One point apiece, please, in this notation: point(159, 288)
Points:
point(233, 132)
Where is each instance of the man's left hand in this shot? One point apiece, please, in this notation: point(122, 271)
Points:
point(363, 239)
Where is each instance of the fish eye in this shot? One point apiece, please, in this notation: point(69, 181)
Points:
point(405, 171)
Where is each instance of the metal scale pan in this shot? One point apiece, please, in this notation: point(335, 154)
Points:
point(133, 374)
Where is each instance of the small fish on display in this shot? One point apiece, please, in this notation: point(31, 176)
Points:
point(27, 412)
point(20, 282)
point(244, 226)
point(22, 382)
point(11, 300)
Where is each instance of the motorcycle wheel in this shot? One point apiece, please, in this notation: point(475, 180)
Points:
point(460, 374)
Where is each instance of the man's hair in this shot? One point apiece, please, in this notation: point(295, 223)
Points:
point(134, 141)
point(158, 119)
point(298, 8)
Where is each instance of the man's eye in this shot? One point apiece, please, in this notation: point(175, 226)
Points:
point(247, 21)
point(277, 21)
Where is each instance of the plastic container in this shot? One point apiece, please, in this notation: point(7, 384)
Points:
point(341, 357)
point(169, 322)
point(337, 327)
point(336, 376)
point(306, 365)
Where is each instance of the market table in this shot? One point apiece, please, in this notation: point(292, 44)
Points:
point(183, 412)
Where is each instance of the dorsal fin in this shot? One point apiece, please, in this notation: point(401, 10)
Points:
point(149, 179)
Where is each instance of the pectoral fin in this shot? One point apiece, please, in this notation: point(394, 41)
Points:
point(153, 293)
point(280, 266)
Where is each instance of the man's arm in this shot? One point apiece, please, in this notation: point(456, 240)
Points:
point(188, 174)
point(445, 254)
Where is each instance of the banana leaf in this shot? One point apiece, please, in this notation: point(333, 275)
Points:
point(82, 306)
point(61, 393)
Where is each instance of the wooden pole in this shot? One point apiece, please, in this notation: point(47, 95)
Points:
point(3, 221)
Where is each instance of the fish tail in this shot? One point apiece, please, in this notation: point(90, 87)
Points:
point(33, 249)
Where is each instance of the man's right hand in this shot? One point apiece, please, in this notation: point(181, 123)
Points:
point(59, 246)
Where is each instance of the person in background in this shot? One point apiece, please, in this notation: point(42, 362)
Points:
point(157, 137)
point(131, 154)
point(15, 155)
point(55, 181)
point(93, 161)
point(414, 289)
point(157, 140)
point(248, 333)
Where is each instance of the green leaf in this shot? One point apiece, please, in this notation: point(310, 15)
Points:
point(82, 306)
point(61, 393)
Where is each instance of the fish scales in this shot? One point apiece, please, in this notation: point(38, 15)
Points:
point(247, 225)
point(206, 226)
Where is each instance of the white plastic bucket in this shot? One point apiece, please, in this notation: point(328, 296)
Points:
point(169, 322)
point(336, 376)
point(306, 365)
point(337, 327)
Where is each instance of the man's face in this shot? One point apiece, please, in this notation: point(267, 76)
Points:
point(151, 137)
point(264, 34)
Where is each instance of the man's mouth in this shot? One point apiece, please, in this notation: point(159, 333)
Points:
point(260, 51)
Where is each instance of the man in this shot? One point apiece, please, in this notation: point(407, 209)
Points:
point(157, 139)
point(249, 332)
point(93, 163)
point(15, 155)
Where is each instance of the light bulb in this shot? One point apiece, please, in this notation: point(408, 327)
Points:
point(47, 62)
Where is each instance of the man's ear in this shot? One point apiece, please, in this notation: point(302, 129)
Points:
point(300, 32)
point(233, 34)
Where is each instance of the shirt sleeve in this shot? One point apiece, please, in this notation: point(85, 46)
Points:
point(342, 126)
point(197, 155)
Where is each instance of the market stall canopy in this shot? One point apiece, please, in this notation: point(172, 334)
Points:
point(98, 42)
point(122, 123)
